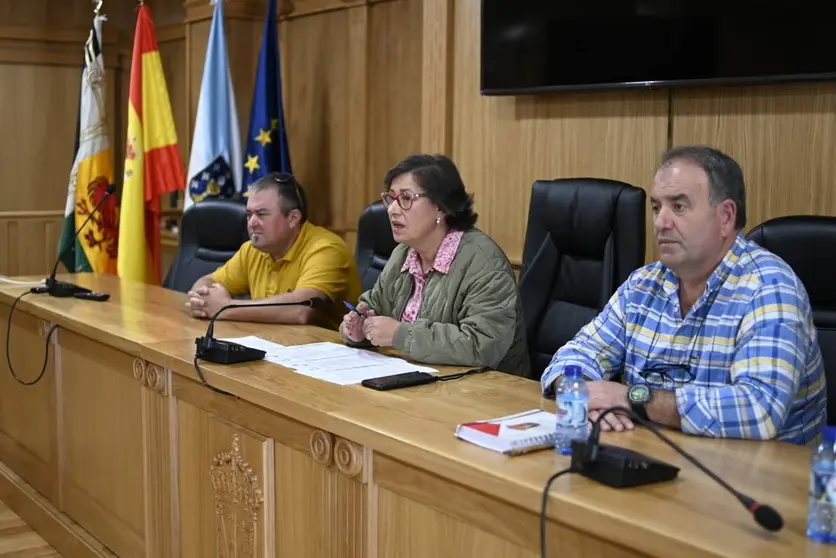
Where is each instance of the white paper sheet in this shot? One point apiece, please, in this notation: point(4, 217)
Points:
point(331, 362)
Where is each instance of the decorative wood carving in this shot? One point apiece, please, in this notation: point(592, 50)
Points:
point(349, 457)
point(238, 500)
point(322, 444)
point(151, 375)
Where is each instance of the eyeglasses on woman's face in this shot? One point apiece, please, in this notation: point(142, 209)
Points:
point(404, 199)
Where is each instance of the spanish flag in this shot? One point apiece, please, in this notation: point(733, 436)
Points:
point(152, 160)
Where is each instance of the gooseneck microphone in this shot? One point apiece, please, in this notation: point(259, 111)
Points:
point(225, 352)
point(591, 452)
point(60, 288)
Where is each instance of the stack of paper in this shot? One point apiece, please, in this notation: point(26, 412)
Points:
point(332, 362)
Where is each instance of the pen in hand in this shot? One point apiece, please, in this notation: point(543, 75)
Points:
point(352, 308)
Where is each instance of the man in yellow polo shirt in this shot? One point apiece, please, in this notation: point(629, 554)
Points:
point(287, 259)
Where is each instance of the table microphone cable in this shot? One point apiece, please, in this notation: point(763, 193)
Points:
point(765, 516)
point(207, 384)
point(458, 375)
point(545, 502)
point(8, 346)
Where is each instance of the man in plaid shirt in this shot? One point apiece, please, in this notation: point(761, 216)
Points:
point(716, 338)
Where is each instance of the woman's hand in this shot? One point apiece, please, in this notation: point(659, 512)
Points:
point(380, 330)
point(352, 325)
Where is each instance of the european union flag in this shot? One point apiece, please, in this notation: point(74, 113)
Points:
point(267, 150)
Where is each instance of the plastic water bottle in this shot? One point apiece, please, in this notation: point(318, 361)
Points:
point(821, 514)
point(572, 397)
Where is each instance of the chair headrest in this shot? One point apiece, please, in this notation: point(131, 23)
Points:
point(374, 227)
point(807, 243)
point(216, 224)
point(580, 213)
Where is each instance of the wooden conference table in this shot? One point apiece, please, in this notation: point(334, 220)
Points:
point(119, 449)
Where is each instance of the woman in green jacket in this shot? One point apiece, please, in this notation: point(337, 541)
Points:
point(448, 294)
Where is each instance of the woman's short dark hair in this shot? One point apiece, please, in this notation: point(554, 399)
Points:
point(438, 176)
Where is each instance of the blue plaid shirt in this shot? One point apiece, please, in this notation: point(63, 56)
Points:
point(749, 342)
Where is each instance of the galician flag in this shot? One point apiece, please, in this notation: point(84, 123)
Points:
point(94, 249)
point(215, 163)
point(152, 160)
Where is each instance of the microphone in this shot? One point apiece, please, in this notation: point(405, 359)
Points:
point(61, 288)
point(594, 459)
point(225, 352)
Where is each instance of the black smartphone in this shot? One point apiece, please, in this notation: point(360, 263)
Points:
point(99, 297)
point(397, 381)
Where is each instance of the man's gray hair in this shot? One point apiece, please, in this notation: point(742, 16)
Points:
point(725, 177)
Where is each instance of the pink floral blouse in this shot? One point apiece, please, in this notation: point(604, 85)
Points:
point(443, 260)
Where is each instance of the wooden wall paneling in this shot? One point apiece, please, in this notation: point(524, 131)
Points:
point(41, 50)
point(41, 110)
point(783, 136)
point(103, 422)
point(313, 484)
point(503, 144)
point(424, 515)
point(436, 73)
point(28, 414)
point(29, 241)
point(159, 451)
point(349, 199)
point(298, 8)
point(316, 108)
point(49, 13)
point(395, 71)
point(40, 107)
point(226, 487)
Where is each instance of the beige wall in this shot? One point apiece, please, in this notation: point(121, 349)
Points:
point(368, 82)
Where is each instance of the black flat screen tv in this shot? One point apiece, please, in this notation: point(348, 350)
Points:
point(537, 46)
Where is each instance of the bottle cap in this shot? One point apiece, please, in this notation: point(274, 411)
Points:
point(829, 434)
point(573, 371)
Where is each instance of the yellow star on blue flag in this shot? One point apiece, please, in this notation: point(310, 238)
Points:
point(267, 148)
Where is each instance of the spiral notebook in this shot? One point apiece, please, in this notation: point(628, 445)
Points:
point(512, 435)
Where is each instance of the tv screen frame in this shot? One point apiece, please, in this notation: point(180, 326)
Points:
point(765, 79)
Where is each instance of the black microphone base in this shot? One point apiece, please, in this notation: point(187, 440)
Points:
point(619, 467)
point(60, 289)
point(224, 352)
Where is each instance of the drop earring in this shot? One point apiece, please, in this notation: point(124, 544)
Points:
point(438, 220)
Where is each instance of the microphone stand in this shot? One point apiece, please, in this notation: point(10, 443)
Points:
point(597, 461)
point(765, 516)
point(227, 352)
point(62, 289)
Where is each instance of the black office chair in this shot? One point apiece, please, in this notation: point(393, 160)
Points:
point(211, 231)
point(374, 243)
point(583, 239)
point(807, 243)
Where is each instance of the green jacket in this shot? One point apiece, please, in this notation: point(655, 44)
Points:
point(472, 316)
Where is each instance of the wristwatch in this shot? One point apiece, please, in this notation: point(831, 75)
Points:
point(639, 396)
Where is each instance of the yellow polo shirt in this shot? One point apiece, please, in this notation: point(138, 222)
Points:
point(319, 259)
